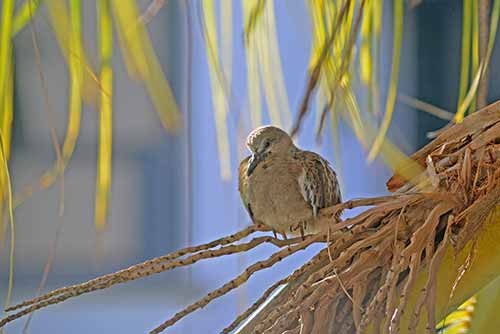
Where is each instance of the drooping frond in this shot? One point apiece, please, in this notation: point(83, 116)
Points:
point(103, 183)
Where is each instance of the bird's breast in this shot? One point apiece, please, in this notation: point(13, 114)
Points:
point(274, 194)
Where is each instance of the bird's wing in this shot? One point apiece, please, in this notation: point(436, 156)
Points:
point(243, 185)
point(318, 182)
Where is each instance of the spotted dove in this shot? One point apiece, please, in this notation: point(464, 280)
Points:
point(284, 187)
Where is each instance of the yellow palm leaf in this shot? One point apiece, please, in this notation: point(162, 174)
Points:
point(219, 88)
point(142, 62)
point(103, 183)
point(24, 15)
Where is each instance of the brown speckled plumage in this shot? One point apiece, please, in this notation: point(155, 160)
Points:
point(286, 186)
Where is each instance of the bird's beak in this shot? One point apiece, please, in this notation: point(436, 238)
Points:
point(252, 163)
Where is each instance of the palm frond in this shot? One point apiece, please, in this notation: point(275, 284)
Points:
point(253, 76)
point(59, 17)
point(270, 70)
point(475, 46)
point(6, 44)
point(142, 62)
point(6, 183)
point(462, 108)
point(252, 18)
point(391, 97)
point(219, 87)
point(76, 71)
point(103, 183)
point(466, 49)
point(6, 114)
point(24, 15)
point(458, 321)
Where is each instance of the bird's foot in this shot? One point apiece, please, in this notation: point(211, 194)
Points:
point(285, 238)
point(301, 227)
point(302, 232)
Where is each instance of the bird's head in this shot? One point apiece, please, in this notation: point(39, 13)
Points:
point(267, 141)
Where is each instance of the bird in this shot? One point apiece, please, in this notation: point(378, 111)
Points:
point(284, 187)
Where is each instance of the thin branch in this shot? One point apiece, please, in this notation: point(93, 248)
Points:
point(236, 282)
point(106, 278)
point(150, 12)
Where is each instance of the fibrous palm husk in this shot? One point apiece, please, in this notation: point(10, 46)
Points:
point(365, 285)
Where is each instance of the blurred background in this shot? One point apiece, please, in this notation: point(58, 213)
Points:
point(170, 190)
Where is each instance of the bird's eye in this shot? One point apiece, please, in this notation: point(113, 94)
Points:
point(266, 144)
